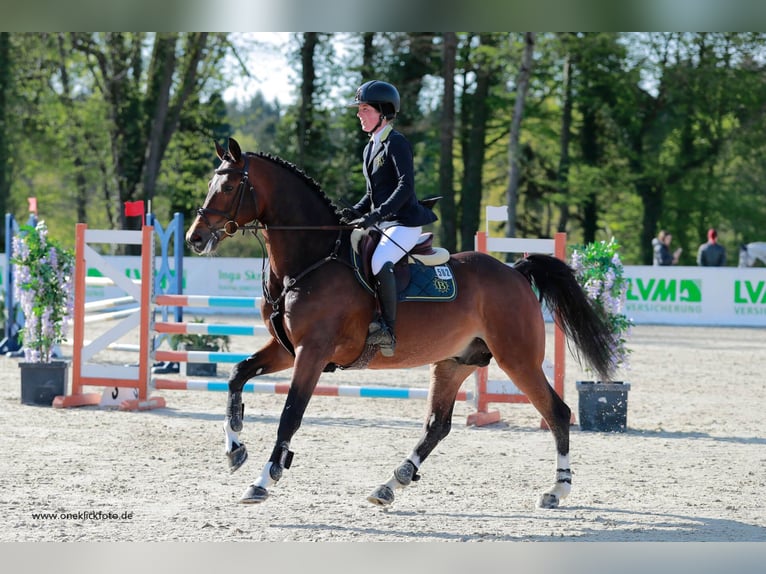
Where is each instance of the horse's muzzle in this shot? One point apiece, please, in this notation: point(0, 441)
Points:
point(201, 243)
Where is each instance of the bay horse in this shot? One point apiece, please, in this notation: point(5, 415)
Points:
point(318, 314)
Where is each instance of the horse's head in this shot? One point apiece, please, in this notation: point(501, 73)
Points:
point(745, 260)
point(230, 203)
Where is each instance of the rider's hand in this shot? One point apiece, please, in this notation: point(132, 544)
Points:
point(348, 214)
point(366, 221)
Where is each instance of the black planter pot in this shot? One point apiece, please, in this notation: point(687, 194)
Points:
point(42, 382)
point(200, 369)
point(603, 406)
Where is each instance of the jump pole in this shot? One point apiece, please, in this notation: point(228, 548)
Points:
point(371, 392)
point(84, 374)
point(160, 383)
point(498, 391)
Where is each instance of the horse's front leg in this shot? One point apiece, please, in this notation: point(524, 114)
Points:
point(269, 359)
point(446, 378)
point(307, 370)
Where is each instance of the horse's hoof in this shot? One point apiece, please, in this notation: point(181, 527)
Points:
point(548, 500)
point(237, 457)
point(254, 495)
point(382, 496)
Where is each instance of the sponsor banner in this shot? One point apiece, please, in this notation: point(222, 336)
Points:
point(674, 295)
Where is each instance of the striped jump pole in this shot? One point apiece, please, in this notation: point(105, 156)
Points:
point(123, 306)
point(92, 306)
point(370, 392)
point(200, 356)
point(208, 329)
point(207, 301)
point(204, 329)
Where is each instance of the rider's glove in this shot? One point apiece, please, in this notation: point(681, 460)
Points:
point(348, 214)
point(367, 220)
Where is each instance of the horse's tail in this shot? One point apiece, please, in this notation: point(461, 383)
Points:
point(570, 307)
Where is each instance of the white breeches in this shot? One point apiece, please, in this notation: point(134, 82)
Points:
point(397, 240)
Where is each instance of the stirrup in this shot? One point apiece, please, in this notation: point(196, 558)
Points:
point(380, 334)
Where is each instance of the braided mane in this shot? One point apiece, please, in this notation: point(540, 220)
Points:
point(307, 179)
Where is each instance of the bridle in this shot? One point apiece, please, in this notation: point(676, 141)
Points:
point(230, 227)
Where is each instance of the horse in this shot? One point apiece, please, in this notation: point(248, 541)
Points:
point(318, 315)
point(751, 252)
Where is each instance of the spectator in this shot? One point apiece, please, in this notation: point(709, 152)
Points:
point(661, 246)
point(711, 253)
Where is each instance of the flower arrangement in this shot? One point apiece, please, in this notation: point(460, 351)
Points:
point(43, 288)
point(599, 271)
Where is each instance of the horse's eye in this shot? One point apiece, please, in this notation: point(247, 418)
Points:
point(228, 188)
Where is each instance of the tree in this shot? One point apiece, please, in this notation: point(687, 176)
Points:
point(522, 85)
point(598, 79)
point(564, 139)
point(144, 101)
point(448, 229)
point(483, 62)
point(304, 127)
point(5, 156)
point(676, 130)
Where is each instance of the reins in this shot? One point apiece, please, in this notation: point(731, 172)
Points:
point(291, 282)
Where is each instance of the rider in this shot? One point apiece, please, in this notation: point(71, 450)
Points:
point(390, 203)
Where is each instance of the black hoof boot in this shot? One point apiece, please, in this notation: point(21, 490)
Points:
point(254, 495)
point(381, 496)
point(237, 457)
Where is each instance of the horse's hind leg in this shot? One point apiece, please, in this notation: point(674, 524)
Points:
point(269, 359)
point(446, 378)
point(558, 419)
point(531, 380)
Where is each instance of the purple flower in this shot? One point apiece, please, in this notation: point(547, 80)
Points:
point(43, 286)
point(599, 271)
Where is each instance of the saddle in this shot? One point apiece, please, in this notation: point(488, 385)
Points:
point(422, 275)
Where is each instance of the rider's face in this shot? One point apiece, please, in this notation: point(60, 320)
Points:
point(368, 116)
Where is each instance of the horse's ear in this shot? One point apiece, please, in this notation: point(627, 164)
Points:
point(219, 151)
point(234, 150)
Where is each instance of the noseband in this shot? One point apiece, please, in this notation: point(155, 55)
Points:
point(231, 226)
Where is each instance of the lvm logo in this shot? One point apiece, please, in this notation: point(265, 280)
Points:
point(749, 297)
point(665, 295)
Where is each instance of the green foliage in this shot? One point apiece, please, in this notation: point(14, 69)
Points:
point(665, 129)
point(600, 273)
point(43, 287)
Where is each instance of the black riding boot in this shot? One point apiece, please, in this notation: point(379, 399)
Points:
point(382, 333)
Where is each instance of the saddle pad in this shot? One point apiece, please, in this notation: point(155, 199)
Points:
point(429, 284)
point(436, 284)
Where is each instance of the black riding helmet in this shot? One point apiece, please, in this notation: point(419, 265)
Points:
point(382, 95)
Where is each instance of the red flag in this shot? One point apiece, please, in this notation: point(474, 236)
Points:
point(134, 208)
point(32, 205)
